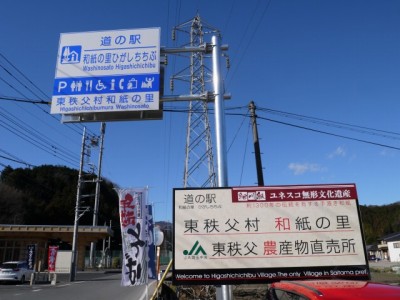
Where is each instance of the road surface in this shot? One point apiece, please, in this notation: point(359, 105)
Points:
point(87, 286)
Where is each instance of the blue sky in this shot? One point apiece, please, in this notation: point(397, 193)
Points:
point(330, 60)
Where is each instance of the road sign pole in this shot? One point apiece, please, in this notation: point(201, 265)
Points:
point(219, 115)
point(225, 291)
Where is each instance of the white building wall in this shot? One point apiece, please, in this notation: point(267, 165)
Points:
point(394, 252)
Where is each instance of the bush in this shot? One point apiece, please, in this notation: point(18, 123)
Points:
point(116, 262)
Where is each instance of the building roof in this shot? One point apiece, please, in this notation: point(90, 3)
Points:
point(63, 232)
point(391, 237)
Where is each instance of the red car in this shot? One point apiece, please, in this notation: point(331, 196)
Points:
point(332, 289)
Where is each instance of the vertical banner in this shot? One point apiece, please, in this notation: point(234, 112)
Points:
point(151, 255)
point(31, 256)
point(52, 258)
point(132, 217)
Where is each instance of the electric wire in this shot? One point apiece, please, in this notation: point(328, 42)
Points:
point(41, 120)
point(41, 101)
point(243, 52)
point(23, 127)
point(23, 100)
point(37, 102)
point(244, 154)
point(237, 133)
point(328, 123)
point(320, 121)
point(329, 133)
point(17, 161)
point(245, 32)
point(228, 18)
point(19, 81)
point(23, 75)
point(43, 143)
point(15, 158)
point(341, 125)
point(37, 144)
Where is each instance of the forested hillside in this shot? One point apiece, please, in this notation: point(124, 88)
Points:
point(46, 195)
point(380, 220)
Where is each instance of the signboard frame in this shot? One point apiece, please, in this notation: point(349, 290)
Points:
point(325, 218)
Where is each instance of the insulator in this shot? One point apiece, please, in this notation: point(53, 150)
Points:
point(166, 60)
point(228, 63)
point(173, 34)
point(171, 85)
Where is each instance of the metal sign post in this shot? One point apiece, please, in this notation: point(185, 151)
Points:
point(225, 291)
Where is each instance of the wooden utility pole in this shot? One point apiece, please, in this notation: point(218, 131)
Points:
point(257, 153)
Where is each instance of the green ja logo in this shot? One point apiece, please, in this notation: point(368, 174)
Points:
point(196, 249)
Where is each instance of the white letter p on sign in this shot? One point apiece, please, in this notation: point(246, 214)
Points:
point(61, 85)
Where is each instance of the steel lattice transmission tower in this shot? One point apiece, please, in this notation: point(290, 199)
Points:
point(199, 168)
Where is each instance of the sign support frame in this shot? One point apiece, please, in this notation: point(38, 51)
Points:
point(225, 291)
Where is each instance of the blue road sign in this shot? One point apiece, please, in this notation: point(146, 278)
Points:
point(107, 71)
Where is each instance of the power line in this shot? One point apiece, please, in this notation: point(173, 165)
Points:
point(32, 136)
point(258, 23)
point(31, 89)
point(23, 130)
point(12, 157)
point(329, 133)
point(330, 123)
point(17, 161)
point(341, 125)
point(23, 75)
point(40, 145)
point(24, 100)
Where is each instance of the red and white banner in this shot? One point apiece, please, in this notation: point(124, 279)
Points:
point(132, 217)
point(52, 258)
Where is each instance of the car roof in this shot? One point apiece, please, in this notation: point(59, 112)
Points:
point(340, 289)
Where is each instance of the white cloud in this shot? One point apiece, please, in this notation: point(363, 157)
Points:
point(340, 151)
point(299, 168)
point(387, 153)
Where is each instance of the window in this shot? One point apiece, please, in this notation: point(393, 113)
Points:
point(285, 295)
point(396, 245)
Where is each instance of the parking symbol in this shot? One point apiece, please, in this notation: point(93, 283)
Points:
point(71, 54)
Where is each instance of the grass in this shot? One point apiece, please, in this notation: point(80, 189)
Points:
point(385, 275)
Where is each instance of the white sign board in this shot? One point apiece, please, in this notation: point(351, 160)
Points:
point(107, 71)
point(63, 261)
point(263, 234)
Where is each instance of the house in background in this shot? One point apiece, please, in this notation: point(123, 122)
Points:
point(372, 252)
point(389, 247)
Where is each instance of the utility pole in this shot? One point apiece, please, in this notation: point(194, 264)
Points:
point(77, 209)
point(97, 193)
point(257, 153)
